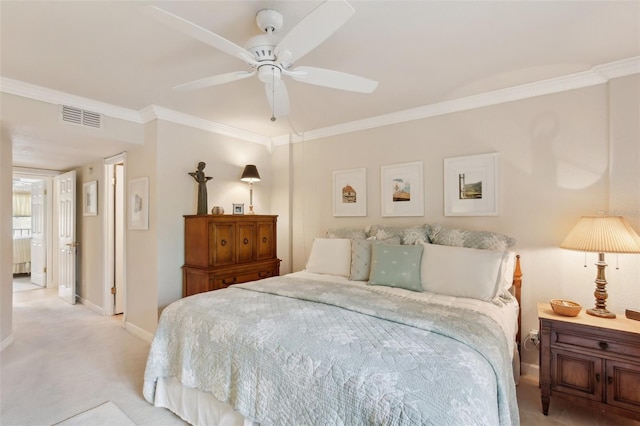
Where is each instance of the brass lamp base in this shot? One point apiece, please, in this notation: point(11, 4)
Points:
point(602, 313)
point(600, 310)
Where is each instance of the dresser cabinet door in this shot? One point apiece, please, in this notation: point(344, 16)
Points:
point(623, 385)
point(246, 242)
point(577, 374)
point(266, 240)
point(223, 245)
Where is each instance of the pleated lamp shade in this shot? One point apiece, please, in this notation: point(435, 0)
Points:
point(602, 234)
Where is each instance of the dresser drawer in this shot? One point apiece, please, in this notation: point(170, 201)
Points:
point(603, 343)
point(227, 280)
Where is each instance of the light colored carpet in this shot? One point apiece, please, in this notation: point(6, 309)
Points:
point(23, 283)
point(66, 359)
point(107, 414)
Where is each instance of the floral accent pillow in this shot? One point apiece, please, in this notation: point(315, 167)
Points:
point(470, 239)
point(348, 233)
point(407, 234)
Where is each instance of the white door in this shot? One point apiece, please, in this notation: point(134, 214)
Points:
point(38, 233)
point(119, 280)
point(66, 184)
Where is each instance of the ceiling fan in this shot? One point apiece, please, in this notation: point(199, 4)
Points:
point(271, 56)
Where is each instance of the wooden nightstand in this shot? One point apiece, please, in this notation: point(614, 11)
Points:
point(590, 360)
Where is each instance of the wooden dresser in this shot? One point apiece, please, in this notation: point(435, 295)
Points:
point(221, 250)
point(590, 360)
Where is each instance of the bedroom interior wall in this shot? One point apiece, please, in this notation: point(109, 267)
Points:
point(141, 258)
point(281, 201)
point(554, 168)
point(90, 231)
point(6, 241)
point(155, 257)
point(180, 149)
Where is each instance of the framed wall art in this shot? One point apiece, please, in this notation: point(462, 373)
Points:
point(401, 190)
point(90, 198)
point(139, 203)
point(350, 192)
point(238, 208)
point(471, 185)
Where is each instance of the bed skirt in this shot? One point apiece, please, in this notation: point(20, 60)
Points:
point(195, 406)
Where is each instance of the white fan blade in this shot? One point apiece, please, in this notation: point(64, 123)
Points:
point(334, 79)
point(278, 98)
point(215, 80)
point(199, 33)
point(314, 28)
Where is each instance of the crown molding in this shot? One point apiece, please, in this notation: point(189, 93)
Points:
point(153, 112)
point(149, 113)
point(43, 94)
point(599, 74)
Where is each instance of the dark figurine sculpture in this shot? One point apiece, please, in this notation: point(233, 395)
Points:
point(202, 180)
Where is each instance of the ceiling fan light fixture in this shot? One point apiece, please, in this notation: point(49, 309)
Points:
point(269, 74)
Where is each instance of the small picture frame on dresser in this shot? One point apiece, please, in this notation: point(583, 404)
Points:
point(238, 208)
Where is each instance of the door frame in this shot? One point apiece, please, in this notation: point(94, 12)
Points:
point(51, 245)
point(109, 207)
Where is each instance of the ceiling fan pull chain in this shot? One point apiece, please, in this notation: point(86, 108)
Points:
point(273, 96)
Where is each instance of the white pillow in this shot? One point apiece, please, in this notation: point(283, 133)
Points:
point(507, 269)
point(330, 256)
point(461, 271)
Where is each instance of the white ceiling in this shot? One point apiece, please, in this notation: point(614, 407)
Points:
point(421, 52)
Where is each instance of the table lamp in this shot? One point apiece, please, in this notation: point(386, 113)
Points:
point(250, 174)
point(602, 234)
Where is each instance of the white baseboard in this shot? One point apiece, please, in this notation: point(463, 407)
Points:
point(530, 370)
point(137, 331)
point(91, 305)
point(6, 342)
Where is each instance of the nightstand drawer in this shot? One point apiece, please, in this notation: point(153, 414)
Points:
point(600, 343)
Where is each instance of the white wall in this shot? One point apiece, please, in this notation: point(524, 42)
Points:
point(90, 234)
point(6, 241)
point(554, 168)
point(155, 257)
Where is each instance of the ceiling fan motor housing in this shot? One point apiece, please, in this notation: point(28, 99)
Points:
point(269, 20)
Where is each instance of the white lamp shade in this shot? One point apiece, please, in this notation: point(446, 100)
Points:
point(602, 234)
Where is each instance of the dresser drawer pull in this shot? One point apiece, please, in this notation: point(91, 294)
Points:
point(223, 243)
point(245, 241)
point(264, 274)
point(264, 240)
point(597, 377)
point(603, 345)
point(610, 379)
point(233, 281)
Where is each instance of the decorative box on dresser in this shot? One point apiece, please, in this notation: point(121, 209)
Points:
point(221, 250)
point(590, 360)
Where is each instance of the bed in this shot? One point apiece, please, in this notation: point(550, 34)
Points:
point(21, 255)
point(402, 325)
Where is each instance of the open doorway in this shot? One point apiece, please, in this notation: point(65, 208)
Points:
point(115, 282)
point(31, 230)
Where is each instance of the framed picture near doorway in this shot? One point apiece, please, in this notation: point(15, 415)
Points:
point(90, 198)
point(139, 203)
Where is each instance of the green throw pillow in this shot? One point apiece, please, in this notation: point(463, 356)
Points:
point(396, 266)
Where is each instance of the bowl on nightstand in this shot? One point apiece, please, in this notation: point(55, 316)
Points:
point(566, 308)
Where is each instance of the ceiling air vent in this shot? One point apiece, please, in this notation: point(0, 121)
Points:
point(81, 117)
